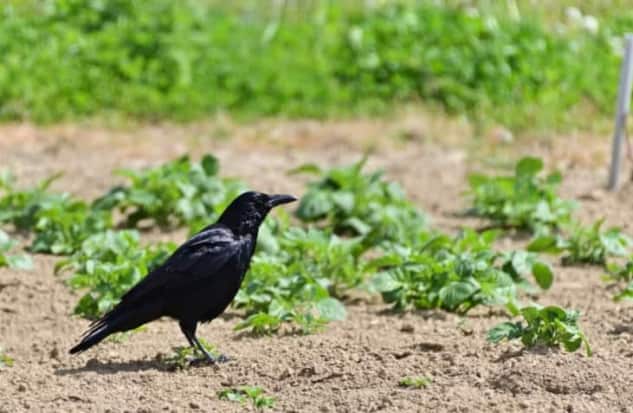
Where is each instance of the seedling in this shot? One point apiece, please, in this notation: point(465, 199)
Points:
point(585, 245)
point(19, 207)
point(414, 382)
point(177, 193)
point(244, 394)
point(5, 359)
point(525, 201)
point(454, 274)
point(358, 204)
point(622, 274)
point(107, 266)
point(548, 326)
point(18, 262)
point(298, 283)
point(184, 356)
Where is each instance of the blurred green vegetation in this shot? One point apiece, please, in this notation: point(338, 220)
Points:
point(521, 63)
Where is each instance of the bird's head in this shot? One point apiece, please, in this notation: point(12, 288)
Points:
point(246, 213)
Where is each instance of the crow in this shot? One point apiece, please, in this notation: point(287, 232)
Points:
point(198, 281)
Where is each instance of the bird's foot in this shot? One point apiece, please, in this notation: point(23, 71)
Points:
point(222, 358)
point(208, 359)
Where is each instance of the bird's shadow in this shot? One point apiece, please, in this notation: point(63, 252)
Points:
point(113, 367)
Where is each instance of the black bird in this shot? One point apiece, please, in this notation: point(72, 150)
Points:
point(198, 281)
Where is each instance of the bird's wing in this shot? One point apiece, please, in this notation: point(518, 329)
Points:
point(204, 254)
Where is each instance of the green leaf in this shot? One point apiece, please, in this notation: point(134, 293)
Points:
point(545, 243)
point(457, 293)
point(331, 309)
point(529, 166)
point(504, 331)
point(543, 274)
point(384, 282)
point(308, 168)
point(210, 164)
point(20, 262)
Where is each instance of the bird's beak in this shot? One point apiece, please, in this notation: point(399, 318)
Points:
point(280, 199)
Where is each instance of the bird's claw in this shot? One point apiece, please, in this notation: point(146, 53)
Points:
point(222, 359)
point(208, 359)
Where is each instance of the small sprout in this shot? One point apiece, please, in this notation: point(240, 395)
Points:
point(5, 359)
point(549, 326)
point(184, 356)
point(243, 394)
point(414, 382)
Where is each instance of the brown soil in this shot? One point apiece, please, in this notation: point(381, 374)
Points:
point(352, 366)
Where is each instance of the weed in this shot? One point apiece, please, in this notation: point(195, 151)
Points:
point(183, 356)
point(414, 382)
point(5, 359)
point(244, 394)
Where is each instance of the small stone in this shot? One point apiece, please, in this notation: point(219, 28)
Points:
point(194, 405)
point(21, 387)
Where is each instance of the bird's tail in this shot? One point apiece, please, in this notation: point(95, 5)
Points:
point(97, 332)
point(125, 316)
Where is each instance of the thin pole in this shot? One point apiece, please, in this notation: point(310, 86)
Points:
point(624, 103)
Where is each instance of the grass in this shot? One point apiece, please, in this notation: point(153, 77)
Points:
point(72, 59)
point(414, 382)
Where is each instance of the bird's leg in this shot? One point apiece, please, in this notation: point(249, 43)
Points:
point(189, 330)
point(220, 359)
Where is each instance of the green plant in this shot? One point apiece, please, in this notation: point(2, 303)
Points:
point(107, 265)
point(184, 356)
point(20, 207)
point(20, 261)
point(414, 382)
point(59, 222)
point(5, 359)
point(454, 274)
point(160, 58)
point(549, 326)
point(296, 283)
point(622, 274)
point(524, 201)
point(63, 224)
point(244, 394)
point(359, 204)
point(585, 245)
point(179, 192)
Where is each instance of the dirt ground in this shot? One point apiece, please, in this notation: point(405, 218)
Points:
point(354, 365)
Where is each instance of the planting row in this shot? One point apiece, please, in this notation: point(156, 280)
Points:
point(353, 231)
